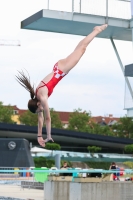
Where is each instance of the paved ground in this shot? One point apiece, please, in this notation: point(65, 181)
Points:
point(15, 191)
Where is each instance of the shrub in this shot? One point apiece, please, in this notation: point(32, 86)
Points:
point(52, 146)
point(129, 148)
point(93, 149)
point(129, 164)
point(99, 165)
point(43, 162)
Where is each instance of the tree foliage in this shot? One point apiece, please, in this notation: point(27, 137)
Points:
point(28, 118)
point(6, 113)
point(52, 146)
point(93, 149)
point(99, 165)
point(124, 128)
point(98, 129)
point(129, 164)
point(78, 120)
point(43, 162)
point(31, 119)
point(106, 130)
point(129, 148)
point(55, 119)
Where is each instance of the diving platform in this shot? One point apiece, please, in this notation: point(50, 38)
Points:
point(78, 24)
point(79, 17)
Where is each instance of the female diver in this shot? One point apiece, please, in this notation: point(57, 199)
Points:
point(39, 98)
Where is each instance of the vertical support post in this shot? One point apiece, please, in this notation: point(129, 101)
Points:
point(131, 8)
point(122, 67)
point(48, 4)
point(72, 8)
point(80, 6)
point(57, 161)
point(106, 20)
point(131, 23)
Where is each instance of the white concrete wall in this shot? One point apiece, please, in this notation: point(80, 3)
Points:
point(88, 191)
point(130, 113)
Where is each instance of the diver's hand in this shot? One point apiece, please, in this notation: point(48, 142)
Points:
point(41, 141)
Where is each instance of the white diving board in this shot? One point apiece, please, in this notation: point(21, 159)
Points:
point(78, 24)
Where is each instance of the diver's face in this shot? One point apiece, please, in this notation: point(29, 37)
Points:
point(40, 108)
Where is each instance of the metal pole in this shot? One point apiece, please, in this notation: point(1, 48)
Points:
point(106, 20)
point(80, 6)
point(131, 8)
point(57, 161)
point(48, 4)
point(122, 67)
point(72, 8)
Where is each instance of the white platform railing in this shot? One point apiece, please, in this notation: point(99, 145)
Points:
point(108, 8)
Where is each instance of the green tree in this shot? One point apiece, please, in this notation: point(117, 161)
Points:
point(124, 128)
point(6, 113)
point(93, 149)
point(129, 164)
point(106, 130)
point(55, 119)
point(31, 119)
point(79, 120)
point(43, 162)
point(95, 128)
point(129, 148)
point(52, 146)
point(99, 165)
point(98, 129)
point(28, 118)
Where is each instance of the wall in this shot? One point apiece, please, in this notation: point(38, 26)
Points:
point(88, 191)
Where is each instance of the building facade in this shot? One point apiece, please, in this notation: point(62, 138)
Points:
point(64, 117)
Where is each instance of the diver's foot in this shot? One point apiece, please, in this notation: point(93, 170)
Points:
point(101, 28)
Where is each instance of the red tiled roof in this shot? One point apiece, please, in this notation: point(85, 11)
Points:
point(64, 116)
point(14, 107)
point(20, 111)
point(99, 119)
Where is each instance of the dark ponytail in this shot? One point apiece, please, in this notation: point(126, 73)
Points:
point(25, 82)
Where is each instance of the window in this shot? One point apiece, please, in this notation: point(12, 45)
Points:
point(15, 112)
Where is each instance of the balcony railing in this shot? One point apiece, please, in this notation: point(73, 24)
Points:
point(108, 8)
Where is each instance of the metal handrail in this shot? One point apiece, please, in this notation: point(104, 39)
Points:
point(130, 171)
point(106, 5)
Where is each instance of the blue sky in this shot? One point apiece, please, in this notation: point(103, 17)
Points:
point(96, 83)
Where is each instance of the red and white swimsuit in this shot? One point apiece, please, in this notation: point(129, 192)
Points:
point(58, 75)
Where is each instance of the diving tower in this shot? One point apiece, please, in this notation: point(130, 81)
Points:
point(77, 24)
point(81, 16)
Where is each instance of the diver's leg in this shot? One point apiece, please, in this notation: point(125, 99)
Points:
point(68, 63)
